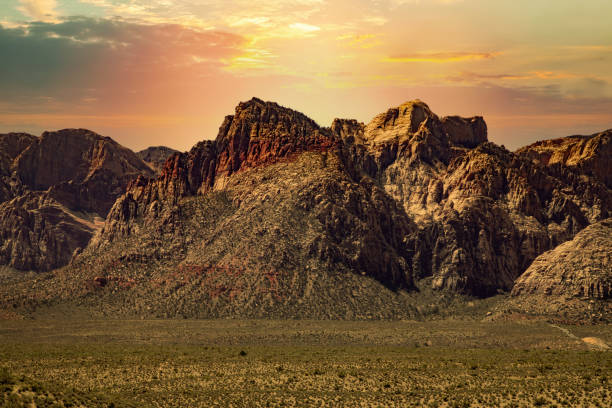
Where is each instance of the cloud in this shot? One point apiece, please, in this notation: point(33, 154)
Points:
point(305, 28)
point(41, 10)
point(83, 57)
point(442, 57)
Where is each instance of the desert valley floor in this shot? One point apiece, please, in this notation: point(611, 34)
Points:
point(249, 363)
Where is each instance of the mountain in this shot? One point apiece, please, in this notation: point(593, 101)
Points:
point(58, 188)
point(156, 156)
point(571, 282)
point(279, 217)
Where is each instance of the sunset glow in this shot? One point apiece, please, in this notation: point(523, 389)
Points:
point(165, 72)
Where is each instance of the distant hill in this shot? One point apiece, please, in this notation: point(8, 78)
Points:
point(156, 156)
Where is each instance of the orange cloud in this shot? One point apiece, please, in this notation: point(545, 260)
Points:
point(442, 57)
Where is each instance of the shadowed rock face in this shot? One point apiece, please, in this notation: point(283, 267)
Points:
point(11, 145)
point(81, 168)
point(38, 233)
point(55, 190)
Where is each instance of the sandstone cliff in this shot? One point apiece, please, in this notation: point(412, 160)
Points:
point(11, 145)
point(80, 168)
point(281, 217)
point(484, 213)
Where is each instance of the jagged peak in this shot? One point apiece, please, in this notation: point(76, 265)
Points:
point(264, 111)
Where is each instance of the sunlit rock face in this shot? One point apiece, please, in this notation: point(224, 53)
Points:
point(588, 155)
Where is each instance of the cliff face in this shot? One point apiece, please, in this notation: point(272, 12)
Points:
point(484, 213)
point(81, 168)
point(39, 233)
point(11, 145)
point(409, 199)
point(279, 206)
point(55, 191)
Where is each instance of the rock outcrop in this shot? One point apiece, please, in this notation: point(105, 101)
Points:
point(572, 281)
point(156, 156)
point(11, 146)
point(483, 212)
point(581, 267)
point(55, 192)
point(39, 233)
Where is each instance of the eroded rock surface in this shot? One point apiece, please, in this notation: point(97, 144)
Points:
point(589, 155)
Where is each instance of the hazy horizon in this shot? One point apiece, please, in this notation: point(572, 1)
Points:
point(166, 72)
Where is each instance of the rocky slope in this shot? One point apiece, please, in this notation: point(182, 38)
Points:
point(156, 156)
point(281, 217)
point(572, 281)
point(57, 190)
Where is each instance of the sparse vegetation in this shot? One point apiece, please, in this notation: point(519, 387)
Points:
point(185, 363)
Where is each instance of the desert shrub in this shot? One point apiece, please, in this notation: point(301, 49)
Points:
point(5, 376)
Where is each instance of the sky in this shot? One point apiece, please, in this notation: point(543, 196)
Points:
point(166, 72)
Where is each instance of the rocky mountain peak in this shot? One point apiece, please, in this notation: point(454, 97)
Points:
point(398, 123)
point(281, 217)
point(264, 132)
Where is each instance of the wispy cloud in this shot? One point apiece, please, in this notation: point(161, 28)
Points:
point(442, 57)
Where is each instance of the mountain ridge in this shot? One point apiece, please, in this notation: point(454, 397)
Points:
point(279, 217)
